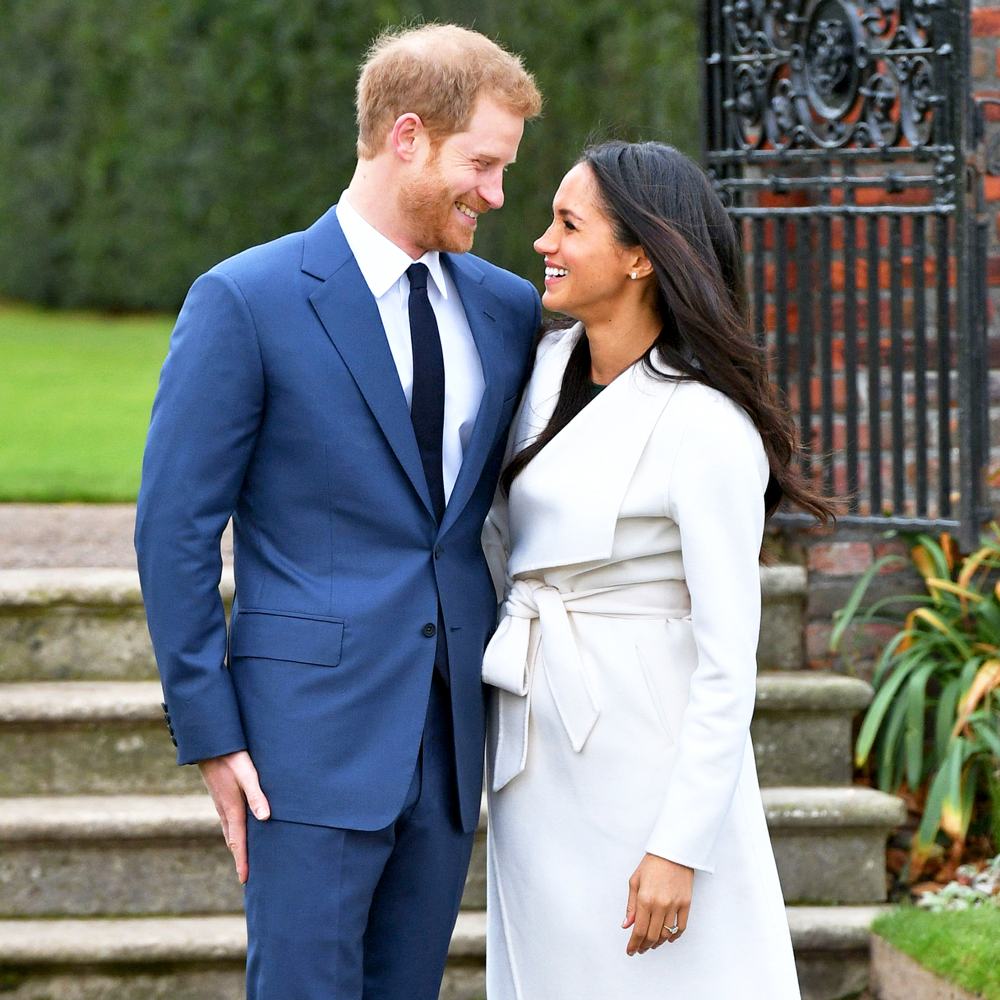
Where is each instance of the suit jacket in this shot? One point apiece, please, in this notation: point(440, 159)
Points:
point(279, 404)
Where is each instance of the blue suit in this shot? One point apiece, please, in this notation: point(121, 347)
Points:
point(280, 404)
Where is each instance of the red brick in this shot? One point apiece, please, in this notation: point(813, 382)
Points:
point(840, 558)
point(796, 199)
point(839, 393)
point(840, 434)
point(990, 111)
point(993, 271)
point(986, 22)
point(981, 63)
point(897, 547)
point(879, 196)
point(862, 645)
point(818, 655)
point(991, 188)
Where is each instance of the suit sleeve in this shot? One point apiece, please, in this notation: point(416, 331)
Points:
point(204, 424)
point(715, 495)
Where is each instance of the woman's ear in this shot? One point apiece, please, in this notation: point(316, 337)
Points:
point(639, 265)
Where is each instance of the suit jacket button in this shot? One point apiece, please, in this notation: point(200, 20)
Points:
point(430, 630)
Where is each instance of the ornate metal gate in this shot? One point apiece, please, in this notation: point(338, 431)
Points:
point(841, 135)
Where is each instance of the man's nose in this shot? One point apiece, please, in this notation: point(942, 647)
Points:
point(491, 191)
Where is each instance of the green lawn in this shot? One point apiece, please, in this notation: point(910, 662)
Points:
point(963, 946)
point(75, 393)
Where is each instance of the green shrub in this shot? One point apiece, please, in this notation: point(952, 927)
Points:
point(934, 723)
point(143, 140)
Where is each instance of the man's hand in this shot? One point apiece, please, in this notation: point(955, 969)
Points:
point(659, 897)
point(232, 782)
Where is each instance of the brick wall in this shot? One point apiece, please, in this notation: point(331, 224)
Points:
point(836, 559)
point(985, 68)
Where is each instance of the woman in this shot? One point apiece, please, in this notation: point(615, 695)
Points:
point(624, 806)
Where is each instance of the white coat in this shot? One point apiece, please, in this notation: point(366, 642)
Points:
point(625, 666)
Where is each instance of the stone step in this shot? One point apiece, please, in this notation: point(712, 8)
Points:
point(132, 855)
point(801, 727)
point(88, 624)
point(171, 958)
point(105, 737)
point(80, 624)
point(832, 949)
point(140, 855)
point(87, 738)
point(829, 843)
point(193, 958)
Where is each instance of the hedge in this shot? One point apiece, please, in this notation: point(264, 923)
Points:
point(143, 140)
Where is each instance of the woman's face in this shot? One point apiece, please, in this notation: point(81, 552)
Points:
point(586, 271)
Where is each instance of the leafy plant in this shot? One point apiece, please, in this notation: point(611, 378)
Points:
point(973, 886)
point(934, 723)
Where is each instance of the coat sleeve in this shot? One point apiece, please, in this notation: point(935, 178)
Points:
point(204, 424)
point(715, 494)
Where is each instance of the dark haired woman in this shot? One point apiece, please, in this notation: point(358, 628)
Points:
point(624, 807)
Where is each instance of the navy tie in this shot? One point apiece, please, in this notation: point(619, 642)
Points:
point(427, 400)
point(427, 412)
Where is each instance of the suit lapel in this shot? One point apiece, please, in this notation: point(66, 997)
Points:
point(480, 311)
point(350, 317)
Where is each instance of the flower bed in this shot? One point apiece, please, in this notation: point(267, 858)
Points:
point(961, 946)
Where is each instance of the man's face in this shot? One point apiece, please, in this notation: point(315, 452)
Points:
point(459, 178)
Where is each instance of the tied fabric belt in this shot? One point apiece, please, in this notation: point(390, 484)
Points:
point(508, 666)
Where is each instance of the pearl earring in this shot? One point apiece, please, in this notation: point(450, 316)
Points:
point(634, 275)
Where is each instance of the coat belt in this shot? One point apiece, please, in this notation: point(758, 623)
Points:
point(508, 666)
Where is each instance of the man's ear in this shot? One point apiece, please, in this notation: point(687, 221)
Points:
point(407, 135)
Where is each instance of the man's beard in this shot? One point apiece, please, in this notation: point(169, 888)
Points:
point(424, 202)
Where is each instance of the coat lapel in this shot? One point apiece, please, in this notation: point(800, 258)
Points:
point(347, 310)
point(593, 457)
point(480, 311)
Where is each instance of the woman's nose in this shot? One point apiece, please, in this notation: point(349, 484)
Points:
point(543, 244)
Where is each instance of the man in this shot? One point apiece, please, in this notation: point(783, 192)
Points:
point(345, 394)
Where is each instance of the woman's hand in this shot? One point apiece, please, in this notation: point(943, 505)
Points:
point(659, 897)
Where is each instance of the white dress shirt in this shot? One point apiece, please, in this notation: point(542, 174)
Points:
point(383, 266)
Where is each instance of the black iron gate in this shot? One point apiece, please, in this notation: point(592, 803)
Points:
point(842, 137)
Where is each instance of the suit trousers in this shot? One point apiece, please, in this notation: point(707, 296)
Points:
point(335, 914)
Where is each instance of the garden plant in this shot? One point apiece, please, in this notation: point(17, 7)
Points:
point(933, 727)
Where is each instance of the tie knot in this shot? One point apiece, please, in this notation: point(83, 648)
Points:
point(417, 273)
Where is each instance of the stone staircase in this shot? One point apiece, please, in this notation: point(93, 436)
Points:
point(114, 880)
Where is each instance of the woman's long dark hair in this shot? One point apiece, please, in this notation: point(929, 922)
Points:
point(656, 198)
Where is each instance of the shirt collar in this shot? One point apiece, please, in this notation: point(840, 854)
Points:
point(380, 261)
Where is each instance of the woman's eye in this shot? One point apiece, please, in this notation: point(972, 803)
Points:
point(568, 224)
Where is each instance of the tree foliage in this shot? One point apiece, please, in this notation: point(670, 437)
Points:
point(143, 140)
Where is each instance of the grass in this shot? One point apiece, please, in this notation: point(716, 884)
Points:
point(75, 394)
point(962, 947)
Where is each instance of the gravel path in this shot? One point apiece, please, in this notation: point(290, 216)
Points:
point(71, 534)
